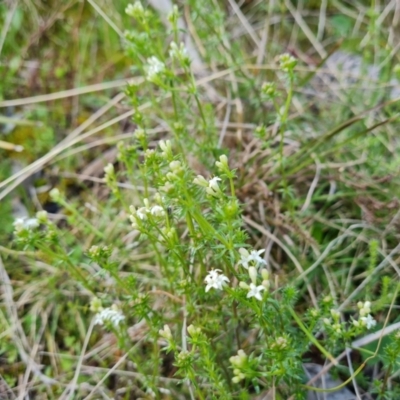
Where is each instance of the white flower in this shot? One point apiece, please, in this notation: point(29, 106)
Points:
point(255, 291)
point(368, 321)
point(213, 187)
point(178, 52)
point(111, 314)
point(247, 257)
point(154, 69)
point(213, 183)
point(135, 10)
point(25, 223)
point(157, 211)
point(215, 280)
point(141, 213)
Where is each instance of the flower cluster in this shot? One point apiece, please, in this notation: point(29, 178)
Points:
point(336, 326)
point(238, 364)
point(142, 213)
point(252, 258)
point(179, 53)
point(135, 10)
point(25, 224)
point(154, 69)
point(215, 280)
point(110, 177)
point(166, 149)
point(212, 187)
point(287, 62)
point(109, 314)
point(280, 343)
point(268, 89)
point(222, 164)
point(176, 170)
point(255, 290)
point(365, 320)
point(166, 333)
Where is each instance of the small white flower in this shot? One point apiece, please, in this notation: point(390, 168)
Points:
point(141, 213)
point(213, 187)
point(213, 183)
point(157, 211)
point(111, 314)
point(26, 223)
point(178, 52)
point(215, 280)
point(135, 10)
point(31, 223)
point(154, 69)
point(255, 256)
point(368, 321)
point(255, 291)
point(247, 257)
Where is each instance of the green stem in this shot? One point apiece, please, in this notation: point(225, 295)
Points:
point(311, 337)
point(79, 217)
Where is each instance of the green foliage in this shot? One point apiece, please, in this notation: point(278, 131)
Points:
point(218, 256)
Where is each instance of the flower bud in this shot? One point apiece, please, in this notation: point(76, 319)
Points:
point(253, 274)
point(193, 331)
point(140, 134)
point(42, 216)
point(265, 274)
point(222, 164)
point(55, 195)
point(244, 285)
point(109, 169)
point(95, 304)
point(201, 181)
point(165, 333)
point(266, 284)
